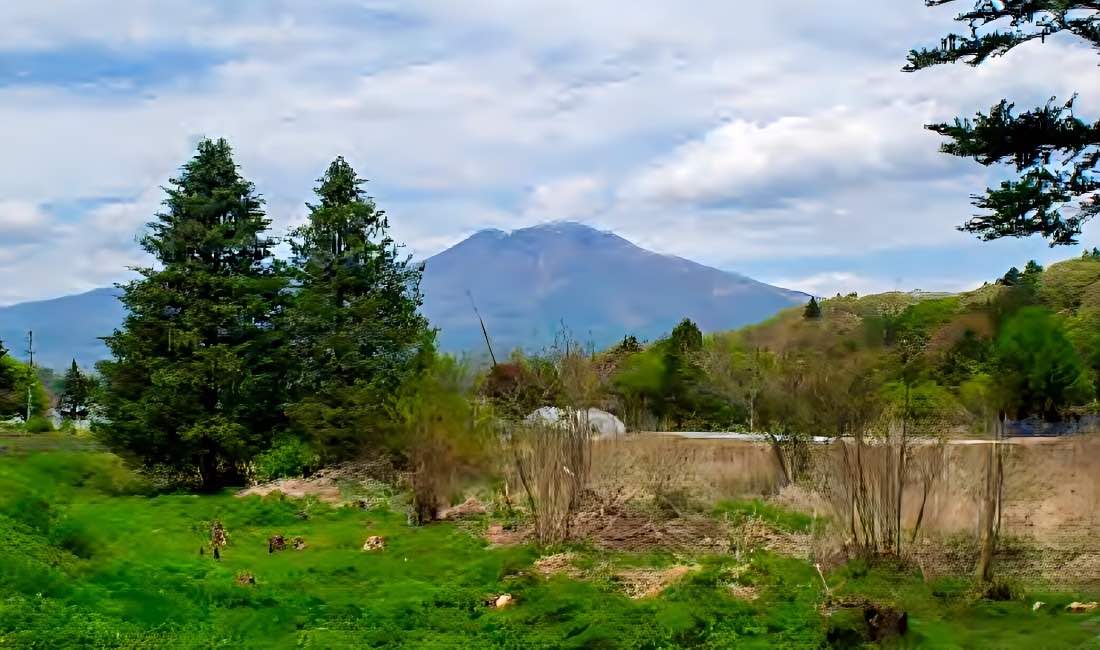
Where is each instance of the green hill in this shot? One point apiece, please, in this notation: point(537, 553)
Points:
point(1027, 344)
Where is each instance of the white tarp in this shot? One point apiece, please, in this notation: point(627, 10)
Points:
point(602, 423)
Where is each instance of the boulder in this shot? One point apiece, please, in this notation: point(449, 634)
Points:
point(374, 543)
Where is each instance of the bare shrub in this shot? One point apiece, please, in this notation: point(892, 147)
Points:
point(665, 470)
point(614, 480)
point(866, 478)
point(552, 462)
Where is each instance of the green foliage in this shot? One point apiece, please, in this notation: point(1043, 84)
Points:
point(38, 424)
point(76, 394)
point(813, 310)
point(669, 380)
point(196, 382)
point(288, 456)
point(1032, 272)
point(94, 560)
point(921, 319)
point(923, 401)
point(1054, 152)
point(791, 521)
point(1064, 285)
point(1040, 368)
point(1011, 278)
point(13, 393)
point(355, 330)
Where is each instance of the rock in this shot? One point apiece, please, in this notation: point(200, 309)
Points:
point(246, 579)
point(503, 600)
point(374, 543)
point(298, 543)
point(1079, 608)
point(1037, 605)
point(470, 506)
point(276, 543)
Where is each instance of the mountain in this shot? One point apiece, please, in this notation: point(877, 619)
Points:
point(64, 328)
point(526, 284)
point(529, 282)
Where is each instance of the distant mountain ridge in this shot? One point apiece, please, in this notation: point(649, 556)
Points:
point(526, 284)
point(531, 281)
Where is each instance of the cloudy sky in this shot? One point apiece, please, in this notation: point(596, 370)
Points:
point(777, 139)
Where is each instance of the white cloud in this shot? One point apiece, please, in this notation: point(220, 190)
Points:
point(568, 198)
point(21, 222)
point(829, 283)
point(797, 137)
point(754, 163)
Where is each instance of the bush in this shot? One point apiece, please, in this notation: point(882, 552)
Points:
point(38, 424)
point(288, 456)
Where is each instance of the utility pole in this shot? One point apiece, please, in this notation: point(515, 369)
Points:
point(30, 369)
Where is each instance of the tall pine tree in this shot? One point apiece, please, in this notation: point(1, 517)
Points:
point(76, 394)
point(355, 324)
point(196, 382)
point(1055, 153)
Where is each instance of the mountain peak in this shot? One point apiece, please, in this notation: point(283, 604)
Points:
point(526, 283)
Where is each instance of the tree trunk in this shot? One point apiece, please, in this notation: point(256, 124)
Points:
point(988, 525)
point(781, 457)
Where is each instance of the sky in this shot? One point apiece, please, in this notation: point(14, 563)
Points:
point(775, 139)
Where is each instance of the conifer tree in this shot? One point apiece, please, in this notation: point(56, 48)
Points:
point(1031, 273)
point(76, 394)
point(813, 310)
point(355, 326)
point(1055, 153)
point(1011, 278)
point(196, 382)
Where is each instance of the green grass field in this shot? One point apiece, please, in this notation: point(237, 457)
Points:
point(93, 559)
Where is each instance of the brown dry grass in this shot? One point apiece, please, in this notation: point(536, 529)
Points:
point(646, 583)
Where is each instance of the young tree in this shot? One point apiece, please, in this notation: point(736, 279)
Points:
point(1055, 153)
point(355, 326)
point(813, 310)
point(76, 394)
point(196, 380)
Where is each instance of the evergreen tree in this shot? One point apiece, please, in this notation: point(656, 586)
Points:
point(356, 330)
point(76, 394)
point(195, 382)
point(1011, 278)
point(1055, 153)
point(813, 310)
point(1031, 273)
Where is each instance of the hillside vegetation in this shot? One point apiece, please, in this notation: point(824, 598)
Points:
point(1025, 346)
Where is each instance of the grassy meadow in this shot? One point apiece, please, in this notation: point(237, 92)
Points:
point(95, 558)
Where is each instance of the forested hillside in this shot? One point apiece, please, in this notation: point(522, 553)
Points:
point(1025, 345)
